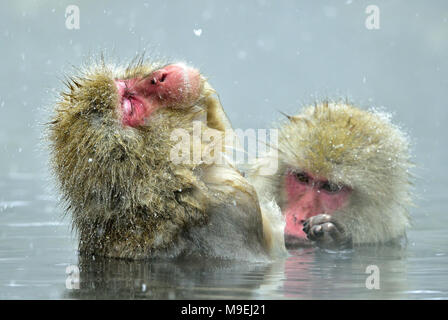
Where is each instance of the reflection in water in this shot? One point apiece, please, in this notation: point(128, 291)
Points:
point(36, 247)
point(325, 274)
point(305, 274)
point(103, 278)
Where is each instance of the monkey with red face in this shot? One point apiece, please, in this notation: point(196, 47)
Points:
point(111, 143)
point(343, 177)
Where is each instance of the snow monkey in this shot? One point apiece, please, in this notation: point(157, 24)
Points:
point(110, 144)
point(343, 177)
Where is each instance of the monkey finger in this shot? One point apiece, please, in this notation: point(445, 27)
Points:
point(319, 219)
point(306, 227)
point(339, 226)
point(326, 235)
point(336, 235)
point(315, 221)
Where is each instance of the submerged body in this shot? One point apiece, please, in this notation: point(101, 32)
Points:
point(343, 177)
point(111, 142)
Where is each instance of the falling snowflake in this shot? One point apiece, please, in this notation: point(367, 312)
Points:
point(197, 32)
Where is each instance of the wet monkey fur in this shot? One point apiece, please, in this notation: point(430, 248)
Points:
point(343, 177)
point(110, 144)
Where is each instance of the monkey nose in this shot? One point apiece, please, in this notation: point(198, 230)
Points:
point(158, 76)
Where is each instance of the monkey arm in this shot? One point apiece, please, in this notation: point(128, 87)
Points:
point(234, 214)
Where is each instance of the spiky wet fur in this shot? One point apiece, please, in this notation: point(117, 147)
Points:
point(352, 147)
point(126, 198)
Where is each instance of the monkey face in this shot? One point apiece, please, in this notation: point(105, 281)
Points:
point(173, 86)
point(307, 196)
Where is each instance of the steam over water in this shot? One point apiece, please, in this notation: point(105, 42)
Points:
point(272, 56)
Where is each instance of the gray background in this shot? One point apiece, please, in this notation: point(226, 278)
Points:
point(261, 56)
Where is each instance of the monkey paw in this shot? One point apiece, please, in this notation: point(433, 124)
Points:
point(326, 232)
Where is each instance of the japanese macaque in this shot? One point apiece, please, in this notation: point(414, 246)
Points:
point(111, 143)
point(343, 177)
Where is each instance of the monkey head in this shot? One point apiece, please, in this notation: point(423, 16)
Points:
point(343, 176)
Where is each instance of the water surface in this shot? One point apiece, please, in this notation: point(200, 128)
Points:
point(37, 246)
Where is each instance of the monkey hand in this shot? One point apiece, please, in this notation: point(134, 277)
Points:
point(327, 232)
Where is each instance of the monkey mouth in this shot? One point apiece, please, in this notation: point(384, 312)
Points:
point(132, 107)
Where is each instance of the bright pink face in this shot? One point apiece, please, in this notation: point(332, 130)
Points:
point(307, 196)
point(173, 86)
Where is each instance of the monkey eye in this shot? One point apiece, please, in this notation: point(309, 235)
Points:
point(331, 187)
point(302, 177)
